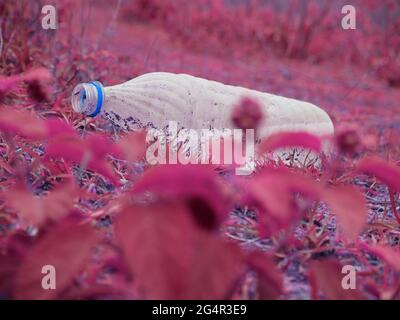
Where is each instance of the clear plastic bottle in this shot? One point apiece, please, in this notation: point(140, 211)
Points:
point(154, 99)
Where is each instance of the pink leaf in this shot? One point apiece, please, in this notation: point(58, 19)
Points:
point(35, 79)
point(21, 123)
point(101, 146)
point(270, 280)
point(197, 184)
point(37, 210)
point(71, 148)
point(56, 126)
point(67, 248)
point(133, 145)
point(327, 276)
point(171, 258)
point(75, 150)
point(273, 192)
point(350, 208)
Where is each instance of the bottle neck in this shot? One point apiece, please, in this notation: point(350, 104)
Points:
point(88, 98)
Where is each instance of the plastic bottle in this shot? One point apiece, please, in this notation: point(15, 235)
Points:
point(154, 99)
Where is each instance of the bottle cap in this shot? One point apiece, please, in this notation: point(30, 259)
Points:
point(87, 98)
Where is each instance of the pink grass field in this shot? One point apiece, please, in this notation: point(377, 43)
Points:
point(76, 194)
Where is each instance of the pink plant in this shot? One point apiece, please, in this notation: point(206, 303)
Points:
point(76, 194)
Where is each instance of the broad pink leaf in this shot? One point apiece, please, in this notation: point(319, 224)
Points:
point(27, 206)
point(273, 192)
point(199, 184)
point(270, 280)
point(133, 145)
point(37, 210)
point(56, 126)
point(71, 148)
point(215, 267)
point(8, 264)
point(67, 247)
point(22, 123)
point(171, 258)
point(156, 242)
point(33, 76)
point(100, 145)
point(75, 150)
point(327, 276)
point(350, 208)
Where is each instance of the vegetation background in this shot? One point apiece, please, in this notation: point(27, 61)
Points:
point(75, 195)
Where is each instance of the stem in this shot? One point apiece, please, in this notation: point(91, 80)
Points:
point(393, 205)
